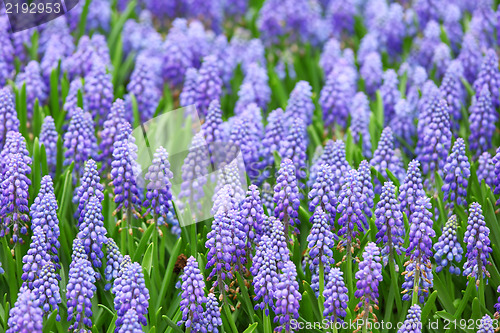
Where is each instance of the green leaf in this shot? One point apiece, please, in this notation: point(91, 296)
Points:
point(251, 328)
point(168, 272)
point(83, 19)
point(172, 325)
point(429, 304)
point(244, 295)
point(465, 299)
point(147, 261)
point(144, 242)
point(50, 322)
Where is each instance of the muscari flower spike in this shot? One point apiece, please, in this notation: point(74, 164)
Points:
point(333, 154)
point(448, 248)
point(286, 196)
point(334, 99)
point(371, 71)
point(98, 91)
point(212, 316)
point(294, 146)
point(441, 59)
point(251, 216)
point(477, 242)
point(486, 169)
point(411, 189)
point(419, 251)
point(470, 56)
point(14, 196)
point(350, 209)
point(8, 115)
point(368, 278)
point(300, 102)
point(412, 323)
point(365, 178)
point(389, 91)
point(456, 173)
point(46, 289)
point(114, 259)
point(242, 135)
point(489, 75)
point(402, 123)
point(386, 157)
point(89, 186)
point(48, 138)
point(211, 128)
point(25, 315)
point(159, 194)
point(192, 296)
point(322, 194)
point(79, 140)
point(256, 78)
point(110, 132)
point(482, 119)
point(360, 121)
point(92, 232)
point(209, 84)
point(131, 322)
point(434, 141)
point(452, 90)
point(130, 292)
point(36, 257)
point(389, 222)
point(486, 325)
point(188, 93)
point(321, 239)
point(35, 86)
point(123, 174)
point(287, 297)
point(274, 134)
point(79, 293)
point(335, 295)
point(265, 271)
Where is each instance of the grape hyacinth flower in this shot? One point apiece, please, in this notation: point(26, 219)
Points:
point(334, 100)
point(411, 189)
point(370, 43)
point(123, 174)
point(294, 146)
point(434, 140)
point(402, 123)
point(371, 71)
point(489, 75)
point(8, 115)
point(44, 214)
point(192, 296)
point(92, 232)
point(188, 93)
point(79, 140)
point(79, 293)
point(441, 59)
point(486, 325)
point(477, 242)
point(389, 91)
point(229, 179)
point(211, 128)
point(89, 186)
point(113, 262)
point(389, 222)
point(267, 193)
point(130, 292)
point(385, 157)
point(177, 57)
point(71, 102)
point(497, 304)
point(350, 209)
point(242, 135)
point(360, 121)
point(334, 154)
point(209, 84)
point(300, 102)
point(48, 138)
point(35, 86)
point(418, 274)
point(365, 178)
point(341, 14)
point(257, 80)
point(412, 323)
point(482, 119)
point(265, 272)
point(335, 295)
point(274, 134)
point(470, 56)
point(98, 88)
point(159, 194)
point(14, 195)
point(36, 257)
point(321, 239)
point(322, 194)
point(143, 86)
point(287, 297)
point(212, 316)
point(110, 132)
point(456, 173)
point(25, 315)
point(448, 248)
point(486, 169)
point(251, 216)
point(368, 277)
point(46, 289)
point(453, 92)
point(286, 196)
point(331, 53)
point(131, 322)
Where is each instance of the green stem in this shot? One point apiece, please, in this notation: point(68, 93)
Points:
point(481, 284)
point(267, 321)
point(321, 300)
point(414, 298)
point(349, 272)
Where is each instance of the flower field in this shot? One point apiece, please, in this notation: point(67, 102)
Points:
point(251, 166)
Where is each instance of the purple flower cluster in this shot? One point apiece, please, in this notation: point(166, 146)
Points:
point(386, 158)
point(448, 248)
point(322, 194)
point(159, 195)
point(368, 277)
point(456, 175)
point(25, 315)
point(477, 242)
point(335, 295)
point(286, 195)
point(90, 186)
point(287, 297)
point(193, 296)
point(79, 293)
point(482, 119)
